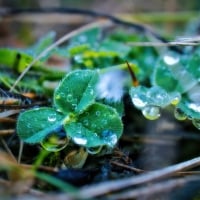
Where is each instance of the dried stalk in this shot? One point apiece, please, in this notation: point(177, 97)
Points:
point(111, 186)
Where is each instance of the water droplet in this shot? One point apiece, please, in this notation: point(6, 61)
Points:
point(85, 122)
point(109, 138)
point(151, 112)
point(138, 102)
point(80, 140)
point(98, 113)
point(176, 100)
point(194, 106)
point(171, 59)
point(55, 142)
point(52, 118)
point(196, 123)
point(91, 91)
point(94, 150)
point(74, 105)
point(179, 114)
point(69, 98)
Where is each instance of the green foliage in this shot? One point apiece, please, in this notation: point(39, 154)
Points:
point(76, 91)
point(86, 122)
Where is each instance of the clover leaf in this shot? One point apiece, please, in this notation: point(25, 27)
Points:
point(86, 122)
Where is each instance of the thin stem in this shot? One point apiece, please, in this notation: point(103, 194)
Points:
point(58, 42)
point(161, 44)
point(7, 149)
point(106, 187)
point(21, 147)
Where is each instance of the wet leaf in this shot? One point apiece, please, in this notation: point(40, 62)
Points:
point(36, 124)
point(76, 91)
point(156, 96)
point(98, 125)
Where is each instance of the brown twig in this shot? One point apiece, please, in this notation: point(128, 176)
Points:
point(154, 189)
point(60, 41)
point(7, 132)
point(127, 167)
point(111, 186)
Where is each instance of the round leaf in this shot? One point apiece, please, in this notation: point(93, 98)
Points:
point(98, 125)
point(76, 91)
point(34, 125)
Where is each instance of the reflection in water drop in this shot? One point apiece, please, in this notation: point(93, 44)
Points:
point(138, 102)
point(196, 123)
point(109, 138)
point(170, 59)
point(52, 118)
point(194, 106)
point(176, 100)
point(94, 150)
point(151, 112)
point(179, 114)
point(55, 142)
point(80, 140)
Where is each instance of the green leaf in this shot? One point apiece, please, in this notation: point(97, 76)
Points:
point(15, 59)
point(154, 96)
point(163, 77)
point(34, 125)
point(98, 125)
point(76, 91)
point(189, 108)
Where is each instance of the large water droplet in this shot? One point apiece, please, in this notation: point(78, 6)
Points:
point(194, 106)
point(151, 112)
point(179, 114)
point(176, 99)
point(171, 59)
point(55, 142)
point(196, 123)
point(94, 150)
point(138, 102)
point(52, 118)
point(109, 138)
point(80, 140)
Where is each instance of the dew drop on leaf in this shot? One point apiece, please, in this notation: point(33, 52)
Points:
point(52, 118)
point(69, 98)
point(109, 138)
point(98, 113)
point(179, 114)
point(171, 59)
point(138, 102)
point(94, 150)
point(176, 100)
point(55, 142)
point(80, 140)
point(151, 112)
point(196, 123)
point(85, 122)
